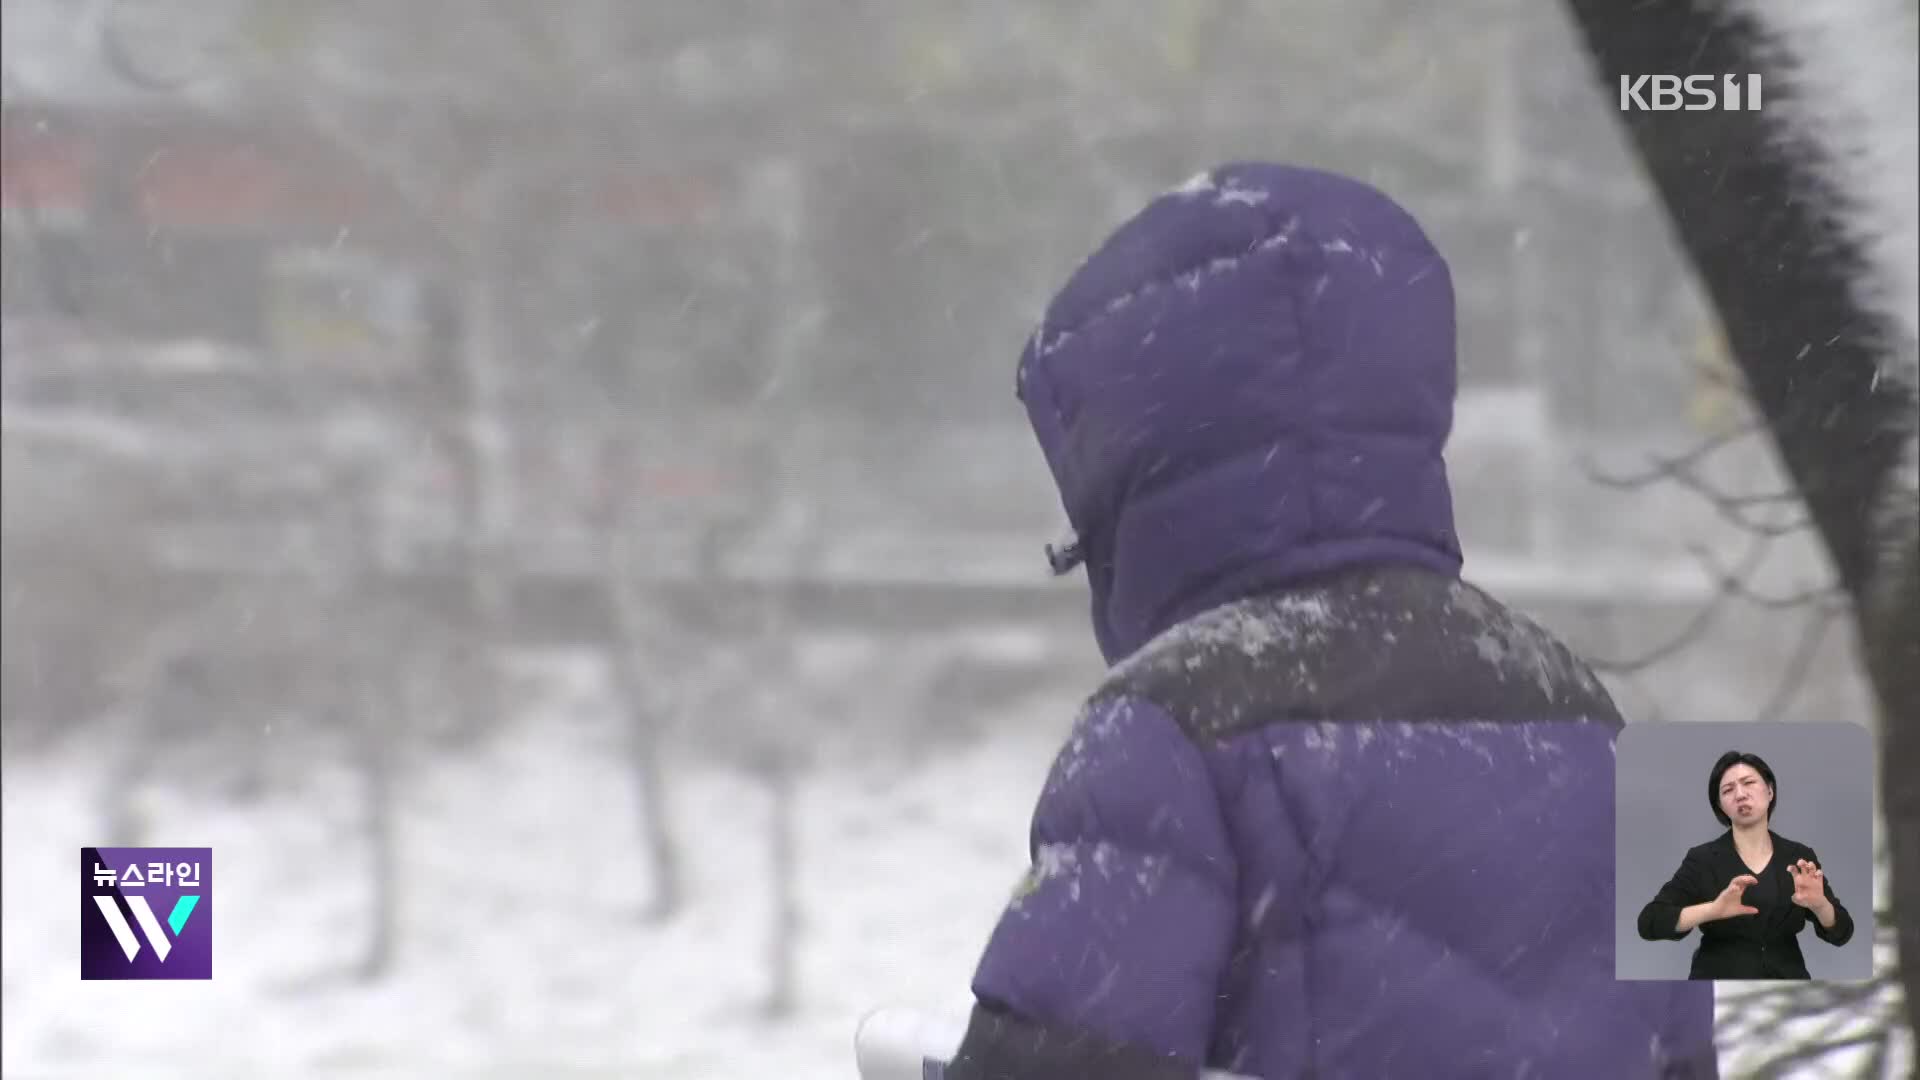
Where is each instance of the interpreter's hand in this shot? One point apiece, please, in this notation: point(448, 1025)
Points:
point(1809, 884)
point(1731, 901)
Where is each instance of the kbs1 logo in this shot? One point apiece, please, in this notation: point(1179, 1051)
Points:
point(146, 913)
point(1694, 93)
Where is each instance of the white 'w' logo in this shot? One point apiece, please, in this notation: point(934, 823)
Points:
point(148, 924)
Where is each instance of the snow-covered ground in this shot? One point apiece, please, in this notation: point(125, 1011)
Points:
point(521, 952)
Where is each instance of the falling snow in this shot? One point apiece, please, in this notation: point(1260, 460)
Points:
point(709, 367)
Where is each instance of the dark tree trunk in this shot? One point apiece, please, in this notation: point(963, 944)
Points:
point(633, 658)
point(376, 751)
point(476, 433)
point(778, 773)
point(134, 744)
point(663, 863)
point(644, 751)
point(383, 664)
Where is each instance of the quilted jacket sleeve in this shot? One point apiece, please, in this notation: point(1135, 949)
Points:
point(1108, 961)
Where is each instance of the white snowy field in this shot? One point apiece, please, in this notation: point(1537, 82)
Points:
point(521, 954)
point(521, 951)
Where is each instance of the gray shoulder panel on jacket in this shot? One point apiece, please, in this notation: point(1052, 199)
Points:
point(1395, 644)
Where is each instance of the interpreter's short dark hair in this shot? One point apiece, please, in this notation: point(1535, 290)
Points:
point(1727, 761)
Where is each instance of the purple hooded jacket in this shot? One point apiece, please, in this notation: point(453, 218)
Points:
point(1334, 813)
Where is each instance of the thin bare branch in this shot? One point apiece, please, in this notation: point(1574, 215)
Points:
point(1739, 510)
point(1873, 1002)
point(1785, 1065)
point(1663, 468)
point(1794, 678)
point(1735, 508)
point(1829, 595)
point(1697, 626)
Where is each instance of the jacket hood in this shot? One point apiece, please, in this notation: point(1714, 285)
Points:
point(1250, 383)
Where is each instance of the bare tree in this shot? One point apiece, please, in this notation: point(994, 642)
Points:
point(1763, 520)
point(640, 663)
point(473, 133)
point(1762, 212)
point(1855, 1018)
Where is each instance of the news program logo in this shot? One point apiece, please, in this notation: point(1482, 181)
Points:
point(146, 913)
